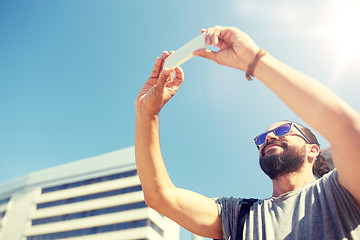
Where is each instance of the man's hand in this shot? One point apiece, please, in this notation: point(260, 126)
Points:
point(237, 49)
point(193, 211)
point(159, 88)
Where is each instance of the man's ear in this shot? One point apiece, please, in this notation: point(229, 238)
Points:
point(313, 152)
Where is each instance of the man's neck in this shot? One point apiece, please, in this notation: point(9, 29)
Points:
point(290, 182)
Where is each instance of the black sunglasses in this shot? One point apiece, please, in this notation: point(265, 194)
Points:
point(279, 131)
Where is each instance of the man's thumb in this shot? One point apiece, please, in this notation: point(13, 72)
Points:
point(205, 53)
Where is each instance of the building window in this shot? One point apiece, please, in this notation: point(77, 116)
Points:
point(4, 201)
point(97, 230)
point(89, 197)
point(89, 181)
point(90, 213)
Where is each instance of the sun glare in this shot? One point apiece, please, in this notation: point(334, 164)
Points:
point(344, 28)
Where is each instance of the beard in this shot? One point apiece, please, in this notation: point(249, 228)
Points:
point(289, 161)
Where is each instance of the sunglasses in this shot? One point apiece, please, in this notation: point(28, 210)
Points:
point(279, 131)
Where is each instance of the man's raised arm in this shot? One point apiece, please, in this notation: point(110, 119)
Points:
point(317, 105)
point(192, 211)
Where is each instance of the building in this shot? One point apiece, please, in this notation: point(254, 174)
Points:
point(94, 198)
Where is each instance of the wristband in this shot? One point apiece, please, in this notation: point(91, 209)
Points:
point(251, 67)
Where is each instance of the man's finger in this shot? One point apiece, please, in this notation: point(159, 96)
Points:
point(164, 55)
point(156, 69)
point(205, 53)
point(164, 75)
point(179, 77)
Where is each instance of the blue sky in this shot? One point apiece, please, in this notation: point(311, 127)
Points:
point(70, 72)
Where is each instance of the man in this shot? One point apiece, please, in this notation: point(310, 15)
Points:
point(301, 207)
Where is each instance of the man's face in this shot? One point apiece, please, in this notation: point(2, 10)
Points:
point(281, 155)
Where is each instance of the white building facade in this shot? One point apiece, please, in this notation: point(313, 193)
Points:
point(94, 198)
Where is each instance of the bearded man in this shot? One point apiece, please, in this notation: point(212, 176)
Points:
point(301, 206)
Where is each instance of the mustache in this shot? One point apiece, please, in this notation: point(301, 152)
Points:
point(281, 143)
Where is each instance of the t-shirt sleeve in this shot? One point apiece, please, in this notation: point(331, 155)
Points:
point(229, 213)
point(341, 195)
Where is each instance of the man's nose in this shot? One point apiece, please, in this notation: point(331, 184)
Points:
point(270, 136)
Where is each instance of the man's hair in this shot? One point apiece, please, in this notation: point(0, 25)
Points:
point(320, 166)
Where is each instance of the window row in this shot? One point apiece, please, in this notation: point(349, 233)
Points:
point(3, 201)
point(97, 230)
point(89, 197)
point(90, 181)
point(84, 214)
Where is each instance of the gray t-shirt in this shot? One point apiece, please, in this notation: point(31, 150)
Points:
point(322, 209)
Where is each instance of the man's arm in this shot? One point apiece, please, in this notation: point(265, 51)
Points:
point(313, 102)
point(192, 211)
point(323, 110)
